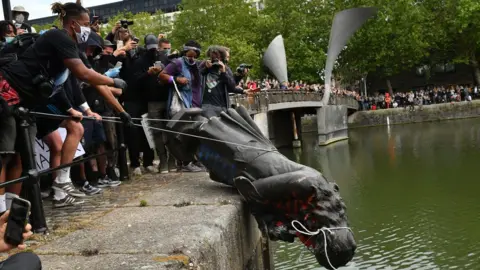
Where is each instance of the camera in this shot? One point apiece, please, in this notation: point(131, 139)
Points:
point(125, 23)
point(44, 85)
point(215, 63)
point(242, 67)
point(173, 55)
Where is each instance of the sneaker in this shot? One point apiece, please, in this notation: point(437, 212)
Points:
point(137, 171)
point(67, 201)
point(113, 173)
point(200, 166)
point(46, 193)
point(172, 166)
point(191, 168)
point(151, 169)
point(163, 168)
point(107, 182)
point(69, 189)
point(89, 189)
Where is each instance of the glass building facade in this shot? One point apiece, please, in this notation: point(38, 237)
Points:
point(134, 6)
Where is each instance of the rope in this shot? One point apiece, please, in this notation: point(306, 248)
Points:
point(324, 231)
point(208, 139)
point(110, 119)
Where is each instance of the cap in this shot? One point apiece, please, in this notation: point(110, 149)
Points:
point(107, 43)
point(95, 40)
point(151, 42)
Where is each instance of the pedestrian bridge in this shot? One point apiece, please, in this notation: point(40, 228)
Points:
point(274, 100)
point(278, 114)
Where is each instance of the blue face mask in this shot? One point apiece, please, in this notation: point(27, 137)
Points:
point(9, 39)
point(189, 61)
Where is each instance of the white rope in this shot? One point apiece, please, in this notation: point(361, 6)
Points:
point(323, 230)
point(209, 139)
point(107, 119)
point(167, 120)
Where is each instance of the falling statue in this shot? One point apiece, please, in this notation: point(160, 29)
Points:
point(278, 191)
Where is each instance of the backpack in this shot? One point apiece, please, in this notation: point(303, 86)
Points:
point(10, 52)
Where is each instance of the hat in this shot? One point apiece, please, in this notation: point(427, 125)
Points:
point(108, 43)
point(95, 40)
point(151, 42)
point(19, 9)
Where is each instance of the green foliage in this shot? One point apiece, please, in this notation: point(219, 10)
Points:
point(39, 28)
point(404, 34)
point(143, 203)
point(144, 23)
point(230, 23)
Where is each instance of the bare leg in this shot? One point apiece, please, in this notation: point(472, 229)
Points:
point(14, 172)
point(54, 142)
point(102, 160)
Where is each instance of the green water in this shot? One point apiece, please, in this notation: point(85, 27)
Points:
point(412, 194)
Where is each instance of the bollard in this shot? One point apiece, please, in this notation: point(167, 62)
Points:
point(122, 153)
point(31, 188)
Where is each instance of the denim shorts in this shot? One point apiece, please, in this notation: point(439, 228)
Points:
point(94, 133)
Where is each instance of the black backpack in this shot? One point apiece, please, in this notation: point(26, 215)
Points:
point(10, 52)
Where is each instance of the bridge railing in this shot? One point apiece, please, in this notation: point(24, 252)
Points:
point(258, 102)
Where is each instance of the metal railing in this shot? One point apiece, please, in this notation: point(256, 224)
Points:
point(31, 175)
point(259, 101)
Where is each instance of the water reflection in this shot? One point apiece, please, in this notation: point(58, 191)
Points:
point(411, 193)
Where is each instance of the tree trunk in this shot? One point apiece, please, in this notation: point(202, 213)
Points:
point(390, 89)
point(476, 69)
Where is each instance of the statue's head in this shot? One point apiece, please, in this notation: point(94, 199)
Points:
point(317, 206)
point(327, 213)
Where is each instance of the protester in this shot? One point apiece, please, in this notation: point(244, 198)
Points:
point(20, 19)
point(216, 83)
point(183, 74)
point(136, 104)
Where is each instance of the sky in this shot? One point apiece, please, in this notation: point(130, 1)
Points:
point(41, 8)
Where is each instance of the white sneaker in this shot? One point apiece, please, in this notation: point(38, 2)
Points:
point(137, 171)
point(151, 169)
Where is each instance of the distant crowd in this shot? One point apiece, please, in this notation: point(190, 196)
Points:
point(425, 96)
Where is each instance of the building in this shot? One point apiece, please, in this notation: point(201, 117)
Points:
point(112, 9)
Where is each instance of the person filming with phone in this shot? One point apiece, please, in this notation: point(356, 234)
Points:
point(14, 230)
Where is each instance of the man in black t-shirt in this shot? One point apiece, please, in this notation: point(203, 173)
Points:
point(25, 82)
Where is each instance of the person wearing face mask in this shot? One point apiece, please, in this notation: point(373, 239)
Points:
point(165, 48)
point(20, 18)
point(143, 88)
point(27, 82)
point(7, 32)
point(217, 82)
point(185, 73)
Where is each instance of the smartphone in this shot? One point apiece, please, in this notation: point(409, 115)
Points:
point(158, 64)
point(17, 219)
point(118, 64)
point(119, 44)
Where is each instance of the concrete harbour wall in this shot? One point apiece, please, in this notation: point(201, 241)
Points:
point(429, 113)
point(190, 223)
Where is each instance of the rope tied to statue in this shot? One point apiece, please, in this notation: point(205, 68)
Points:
point(323, 230)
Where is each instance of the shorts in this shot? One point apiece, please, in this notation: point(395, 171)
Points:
point(12, 139)
point(94, 133)
point(47, 125)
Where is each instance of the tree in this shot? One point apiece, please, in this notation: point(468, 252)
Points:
point(144, 23)
point(304, 26)
point(395, 40)
point(229, 23)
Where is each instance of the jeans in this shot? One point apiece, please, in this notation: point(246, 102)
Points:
point(136, 139)
point(158, 110)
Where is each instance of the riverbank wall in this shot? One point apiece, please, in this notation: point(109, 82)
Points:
point(429, 113)
point(187, 222)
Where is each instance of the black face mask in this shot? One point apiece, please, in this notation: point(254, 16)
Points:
point(106, 59)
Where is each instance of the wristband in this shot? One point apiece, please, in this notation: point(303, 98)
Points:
point(84, 107)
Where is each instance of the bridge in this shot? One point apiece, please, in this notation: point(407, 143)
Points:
point(278, 113)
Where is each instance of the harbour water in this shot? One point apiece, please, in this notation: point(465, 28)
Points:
point(412, 193)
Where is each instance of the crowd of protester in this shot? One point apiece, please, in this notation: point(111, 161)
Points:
point(419, 97)
point(75, 72)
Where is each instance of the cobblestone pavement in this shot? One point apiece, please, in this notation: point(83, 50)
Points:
point(62, 221)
